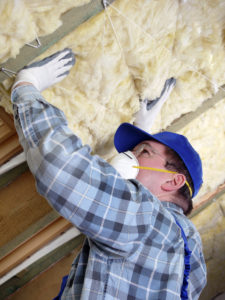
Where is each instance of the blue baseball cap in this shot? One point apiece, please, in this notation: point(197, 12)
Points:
point(128, 136)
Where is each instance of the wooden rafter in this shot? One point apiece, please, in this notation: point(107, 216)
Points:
point(184, 120)
point(9, 143)
point(34, 243)
point(9, 148)
point(7, 119)
point(39, 266)
point(208, 197)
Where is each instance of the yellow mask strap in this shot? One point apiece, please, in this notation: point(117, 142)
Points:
point(164, 171)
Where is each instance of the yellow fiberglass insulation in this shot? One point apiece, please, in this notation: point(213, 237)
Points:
point(207, 135)
point(23, 20)
point(127, 52)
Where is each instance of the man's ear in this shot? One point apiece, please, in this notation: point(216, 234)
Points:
point(175, 183)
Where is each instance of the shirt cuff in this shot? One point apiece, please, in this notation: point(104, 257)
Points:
point(25, 93)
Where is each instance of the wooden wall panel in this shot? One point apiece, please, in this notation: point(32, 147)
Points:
point(32, 244)
point(47, 273)
point(21, 206)
point(5, 131)
point(9, 142)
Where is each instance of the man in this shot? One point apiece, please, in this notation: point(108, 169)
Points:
point(138, 239)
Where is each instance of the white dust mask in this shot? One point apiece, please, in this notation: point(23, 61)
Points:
point(126, 164)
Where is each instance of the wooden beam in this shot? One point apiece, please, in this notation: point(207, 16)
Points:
point(184, 120)
point(70, 20)
point(7, 118)
point(7, 128)
point(211, 195)
point(9, 148)
point(5, 132)
point(50, 247)
point(41, 265)
point(9, 142)
point(33, 229)
point(34, 243)
point(206, 199)
point(11, 175)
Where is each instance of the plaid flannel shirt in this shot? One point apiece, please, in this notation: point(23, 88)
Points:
point(134, 248)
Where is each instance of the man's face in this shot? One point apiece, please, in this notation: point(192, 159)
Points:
point(152, 154)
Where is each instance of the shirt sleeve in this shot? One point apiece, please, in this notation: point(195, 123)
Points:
point(83, 188)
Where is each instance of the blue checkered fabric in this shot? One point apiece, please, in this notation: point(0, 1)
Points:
point(133, 247)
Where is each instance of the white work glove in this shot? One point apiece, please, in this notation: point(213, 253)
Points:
point(149, 109)
point(50, 70)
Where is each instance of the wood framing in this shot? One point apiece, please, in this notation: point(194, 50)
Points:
point(5, 131)
point(21, 207)
point(70, 19)
point(25, 235)
point(34, 243)
point(206, 199)
point(9, 143)
point(16, 282)
point(9, 148)
point(187, 118)
point(7, 119)
point(11, 175)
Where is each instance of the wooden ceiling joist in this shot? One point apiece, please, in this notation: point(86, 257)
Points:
point(7, 119)
point(206, 199)
point(9, 143)
point(184, 120)
point(34, 243)
point(42, 264)
point(5, 132)
point(9, 148)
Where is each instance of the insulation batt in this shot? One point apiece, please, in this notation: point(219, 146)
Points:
point(128, 52)
point(207, 135)
point(23, 20)
point(17, 27)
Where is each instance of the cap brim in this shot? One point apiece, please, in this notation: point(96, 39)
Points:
point(128, 136)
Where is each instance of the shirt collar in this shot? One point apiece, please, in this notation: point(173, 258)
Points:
point(172, 207)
